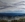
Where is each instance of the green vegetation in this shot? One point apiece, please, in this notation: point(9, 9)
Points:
point(3, 21)
point(20, 20)
point(14, 21)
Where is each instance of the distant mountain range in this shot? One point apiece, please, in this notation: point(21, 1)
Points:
point(12, 14)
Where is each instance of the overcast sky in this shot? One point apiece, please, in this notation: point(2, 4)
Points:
point(10, 2)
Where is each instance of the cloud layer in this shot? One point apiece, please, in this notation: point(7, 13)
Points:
point(14, 9)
